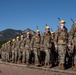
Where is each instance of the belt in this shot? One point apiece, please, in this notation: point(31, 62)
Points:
point(62, 41)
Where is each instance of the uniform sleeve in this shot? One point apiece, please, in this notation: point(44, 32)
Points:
point(32, 42)
point(71, 33)
point(42, 40)
point(56, 37)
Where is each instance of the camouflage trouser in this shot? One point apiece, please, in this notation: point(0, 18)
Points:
point(75, 60)
point(62, 52)
point(16, 54)
point(36, 52)
point(47, 55)
point(24, 56)
point(13, 55)
point(7, 56)
point(27, 54)
point(20, 54)
point(3, 55)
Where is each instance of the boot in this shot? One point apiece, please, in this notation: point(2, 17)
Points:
point(74, 67)
point(27, 62)
point(45, 65)
point(49, 65)
point(15, 62)
point(19, 62)
point(23, 63)
point(42, 63)
point(61, 66)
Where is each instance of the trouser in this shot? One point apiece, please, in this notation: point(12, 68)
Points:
point(7, 56)
point(20, 55)
point(47, 55)
point(36, 52)
point(16, 54)
point(62, 52)
point(13, 56)
point(3, 54)
point(24, 56)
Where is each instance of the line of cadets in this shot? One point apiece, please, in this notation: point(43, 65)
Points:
point(47, 49)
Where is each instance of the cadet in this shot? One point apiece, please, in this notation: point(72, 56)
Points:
point(26, 50)
point(17, 47)
point(61, 37)
point(13, 50)
point(72, 40)
point(8, 53)
point(2, 52)
point(35, 46)
point(46, 41)
point(21, 49)
point(54, 53)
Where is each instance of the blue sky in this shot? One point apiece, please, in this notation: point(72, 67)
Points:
point(23, 14)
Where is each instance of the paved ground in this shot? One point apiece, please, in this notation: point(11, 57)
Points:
point(18, 69)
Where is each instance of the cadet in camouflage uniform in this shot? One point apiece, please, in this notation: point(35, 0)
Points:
point(5, 48)
point(35, 46)
point(46, 42)
point(72, 40)
point(21, 49)
point(3, 53)
point(13, 50)
point(8, 52)
point(26, 50)
point(54, 53)
point(17, 47)
point(61, 37)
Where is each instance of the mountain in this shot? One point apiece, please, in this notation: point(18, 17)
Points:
point(9, 34)
point(26, 30)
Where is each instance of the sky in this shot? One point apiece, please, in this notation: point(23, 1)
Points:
point(23, 14)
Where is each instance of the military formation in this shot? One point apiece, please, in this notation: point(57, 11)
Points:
point(48, 49)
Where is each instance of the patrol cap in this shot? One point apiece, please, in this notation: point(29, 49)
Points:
point(28, 32)
point(37, 31)
point(13, 39)
point(74, 22)
point(52, 32)
point(22, 36)
point(47, 27)
point(62, 21)
point(17, 37)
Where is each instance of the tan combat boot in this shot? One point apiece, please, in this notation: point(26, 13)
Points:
point(49, 65)
point(74, 67)
point(62, 67)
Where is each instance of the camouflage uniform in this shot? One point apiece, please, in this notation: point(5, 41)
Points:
point(35, 44)
point(26, 50)
point(72, 40)
point(8, 53)
point(3, 53)
point(46, 39)
point(21, 49)
point(13, 50)
point(61, 37)
point(17, 48)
